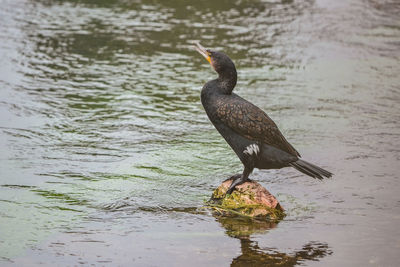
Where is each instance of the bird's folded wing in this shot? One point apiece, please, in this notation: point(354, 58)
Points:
point(250, 121)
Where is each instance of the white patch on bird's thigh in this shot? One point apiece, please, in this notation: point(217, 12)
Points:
point(250, 149)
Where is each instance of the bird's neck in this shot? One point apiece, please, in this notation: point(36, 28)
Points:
point(227, 81)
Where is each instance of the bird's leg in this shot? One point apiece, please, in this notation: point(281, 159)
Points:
point(240, 180)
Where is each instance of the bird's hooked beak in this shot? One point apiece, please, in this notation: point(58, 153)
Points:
point(203, 52)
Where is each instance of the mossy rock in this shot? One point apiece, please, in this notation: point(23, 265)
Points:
point(249, 199)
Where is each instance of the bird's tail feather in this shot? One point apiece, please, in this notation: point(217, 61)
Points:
point(310, 169)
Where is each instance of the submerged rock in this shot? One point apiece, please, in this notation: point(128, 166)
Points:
point(249, 199)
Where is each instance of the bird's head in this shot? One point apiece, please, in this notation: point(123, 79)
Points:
point(221, 63)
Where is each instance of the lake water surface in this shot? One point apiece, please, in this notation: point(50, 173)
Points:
point(107, 156)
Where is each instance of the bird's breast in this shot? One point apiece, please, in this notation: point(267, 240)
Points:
point(211, 103)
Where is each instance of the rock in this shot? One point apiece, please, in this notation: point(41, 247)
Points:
point(250, 199)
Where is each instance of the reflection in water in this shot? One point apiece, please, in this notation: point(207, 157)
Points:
point(253, 255)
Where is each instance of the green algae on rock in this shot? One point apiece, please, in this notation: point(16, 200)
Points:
point(250, 199)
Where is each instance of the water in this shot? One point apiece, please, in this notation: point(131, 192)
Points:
point(107, 154)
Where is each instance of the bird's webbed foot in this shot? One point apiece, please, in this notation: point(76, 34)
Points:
point(238, 181)
point(234, 177)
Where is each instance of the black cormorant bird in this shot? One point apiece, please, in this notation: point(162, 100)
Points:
point(253, 136)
